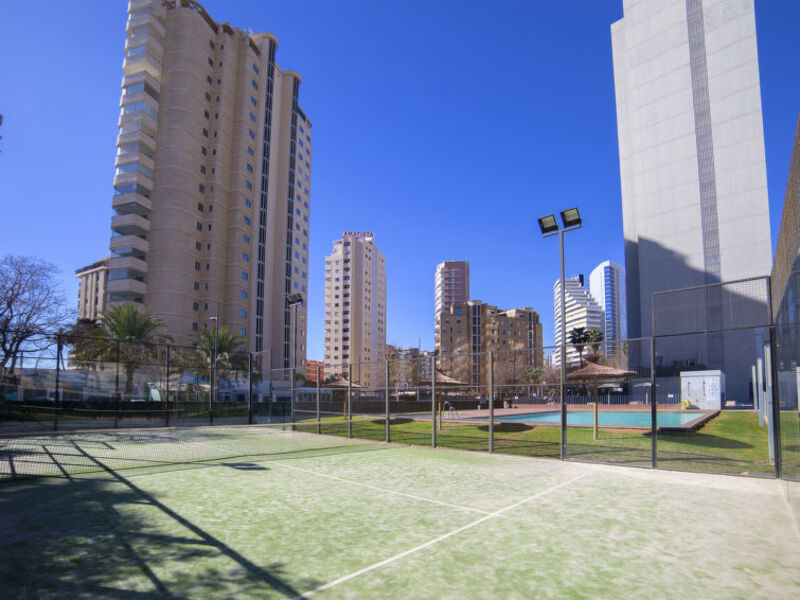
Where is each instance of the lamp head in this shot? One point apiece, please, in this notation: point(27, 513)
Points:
point(548, 224)
point(571, 217)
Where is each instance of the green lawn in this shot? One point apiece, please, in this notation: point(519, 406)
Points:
point(732, 443)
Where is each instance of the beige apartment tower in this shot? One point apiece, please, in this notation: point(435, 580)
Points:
point(355, 308)
point(92, 284)
point(211, 192)
point(470, 330)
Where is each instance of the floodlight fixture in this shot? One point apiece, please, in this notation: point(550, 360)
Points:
point(548, 224)
point(292, 299)
point(571, 217)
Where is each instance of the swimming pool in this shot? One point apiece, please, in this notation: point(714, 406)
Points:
point(606, 418)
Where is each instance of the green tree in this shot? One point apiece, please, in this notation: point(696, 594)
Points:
point(122, 333)
point(229, 346)
point(595, 339)
point(579, 337)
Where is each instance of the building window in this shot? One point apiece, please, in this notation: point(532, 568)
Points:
point(253, 101)
point(205, 132)
point(198, 246)
point(247, 203)
point(250, 151)
point(244, 294)
point(204, 151)
point(245, 276)
point(243, 314)
point(254, 84)
point(246, 238)
point(252, 117)
point(194, 327)
point(255, 68)
point(210, 62)
point(249, 168)
point(203, 169)
point(248, 185)
point(199, 226)
point(242, 331)
point(196, 266)
point(251, 133)
point(195, 306)
point(208, 96)
point(245, 257)
point(202, 188)
point(247, 220)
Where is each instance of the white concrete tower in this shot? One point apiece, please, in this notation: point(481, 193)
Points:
point(355, 308)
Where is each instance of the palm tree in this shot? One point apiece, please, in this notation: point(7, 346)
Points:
point(122, 333)
point(228, 346)
point(595, 338)
point(579, 337)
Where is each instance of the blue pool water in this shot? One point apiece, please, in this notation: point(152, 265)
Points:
point(605, 418)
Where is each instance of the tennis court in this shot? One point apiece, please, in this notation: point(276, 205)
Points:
point(266, 511)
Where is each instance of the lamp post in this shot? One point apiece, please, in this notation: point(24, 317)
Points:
point(212, 395)
point(571, 218)
point(294, 300)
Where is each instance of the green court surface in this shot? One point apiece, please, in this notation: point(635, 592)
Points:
point(283, 514)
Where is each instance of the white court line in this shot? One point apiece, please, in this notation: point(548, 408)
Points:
point(379, 489)
point(431, 542)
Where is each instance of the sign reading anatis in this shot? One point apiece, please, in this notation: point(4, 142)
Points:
point(358, 234)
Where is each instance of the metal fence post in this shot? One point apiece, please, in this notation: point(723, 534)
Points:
point(291, 396)
point(388, 414)
point(348, 409)
point(250, 388)
point(116, 390)
point(775, 414)
point(433, 401)
point(57, 403)
point(319, 426)
point(653, 406)
point(166, 398)
point(491, 400)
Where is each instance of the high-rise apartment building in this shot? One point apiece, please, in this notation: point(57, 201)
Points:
point(691, 144)
point(451, 284)
point(607, 287)
point(582, 310)
point(471, 329)
point(211, 192)
point(92, 284)
point(355, 308)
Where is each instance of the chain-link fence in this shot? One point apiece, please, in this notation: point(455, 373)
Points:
point(652, 402)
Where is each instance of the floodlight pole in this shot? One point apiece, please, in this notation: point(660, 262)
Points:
point(563, 349)
point(563, 345)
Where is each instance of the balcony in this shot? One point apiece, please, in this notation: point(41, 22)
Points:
point(135, 177)
point(131, 203)
point(133, 224)
point(128, 262)
point(142, 62)
point(129, 241)
point(127, 287)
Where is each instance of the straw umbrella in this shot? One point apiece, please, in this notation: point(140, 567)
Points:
point(342, 383)
point(442, 380)
point(595, 375)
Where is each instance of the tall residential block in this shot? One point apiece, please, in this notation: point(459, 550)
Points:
point(92, 284)
point(211, 192)
point(582, 310)
point(607, 287)
point(355, 308)
point(471, 329)
point(451, 284)
point(691, 145)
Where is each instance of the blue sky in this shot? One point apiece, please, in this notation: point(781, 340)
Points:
point(444, 127)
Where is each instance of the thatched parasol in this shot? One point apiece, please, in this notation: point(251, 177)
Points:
point(341, 383)
point(594, 375)
point(443, 380)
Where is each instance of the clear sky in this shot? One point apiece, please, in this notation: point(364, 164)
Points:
point(444, 127)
